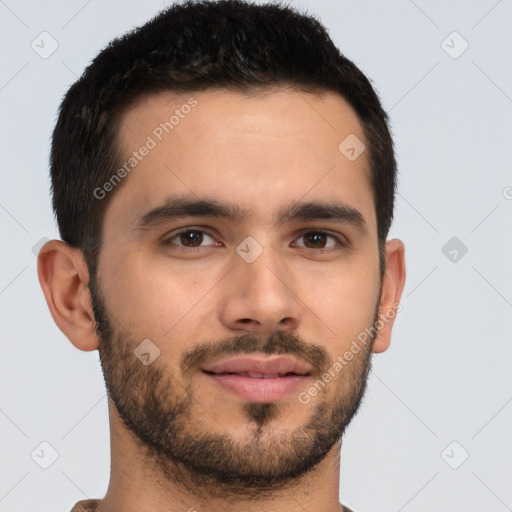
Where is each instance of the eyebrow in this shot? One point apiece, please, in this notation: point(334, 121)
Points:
point(183, 206)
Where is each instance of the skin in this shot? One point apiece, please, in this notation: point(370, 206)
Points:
point(252, 151)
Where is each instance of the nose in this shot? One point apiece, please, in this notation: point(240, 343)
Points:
point(260, 296)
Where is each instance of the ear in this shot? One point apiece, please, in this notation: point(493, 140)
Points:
point(63, 277)
point(392, 287)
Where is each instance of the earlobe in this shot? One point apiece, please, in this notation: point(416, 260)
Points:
point(63, 277)
point(392, 287)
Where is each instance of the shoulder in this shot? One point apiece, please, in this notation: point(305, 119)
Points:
point(87, 506)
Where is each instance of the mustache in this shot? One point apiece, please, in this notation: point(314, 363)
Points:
point(279, 343)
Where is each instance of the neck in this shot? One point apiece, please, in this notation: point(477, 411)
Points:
point(139, 482)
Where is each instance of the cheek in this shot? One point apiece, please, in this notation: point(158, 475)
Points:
point(155, 299)
point(343, 297)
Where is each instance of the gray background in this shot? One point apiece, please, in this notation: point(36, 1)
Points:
point(446, 377)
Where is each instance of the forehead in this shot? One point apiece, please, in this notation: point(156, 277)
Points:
point(258, 151)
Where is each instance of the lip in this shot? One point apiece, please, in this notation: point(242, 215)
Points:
point(258, 364)
point(271, 378)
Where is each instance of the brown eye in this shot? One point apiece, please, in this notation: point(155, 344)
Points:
point(315, 240)
point(190, 239)
point(318, 240)
point(194, 238)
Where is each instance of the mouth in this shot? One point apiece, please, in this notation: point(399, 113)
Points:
point(254, 375)
point(258, 379)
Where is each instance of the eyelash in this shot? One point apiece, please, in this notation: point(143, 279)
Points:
point(340, 243)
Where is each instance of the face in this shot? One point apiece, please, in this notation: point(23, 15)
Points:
point(241, 231)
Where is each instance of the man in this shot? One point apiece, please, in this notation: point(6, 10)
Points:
point(223, 180)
